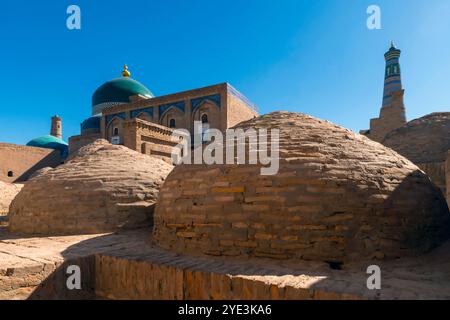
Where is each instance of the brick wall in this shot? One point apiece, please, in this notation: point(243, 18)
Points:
point(166, 276)
point(161, 278)
point(23, 161)
point(238, 111)
point(76, 142)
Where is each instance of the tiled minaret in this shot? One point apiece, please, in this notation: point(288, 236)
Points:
point(392, 113)
point(392, 76)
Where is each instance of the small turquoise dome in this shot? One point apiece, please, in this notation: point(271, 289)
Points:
point(117, 91)
point(91, 125)
point(50, 142)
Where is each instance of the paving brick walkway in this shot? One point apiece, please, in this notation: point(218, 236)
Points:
point(29, 264)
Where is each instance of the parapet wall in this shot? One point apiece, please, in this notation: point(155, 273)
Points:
point(192, 278)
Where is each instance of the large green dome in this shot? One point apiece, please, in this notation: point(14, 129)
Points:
point(50, 142)
point(117, 91)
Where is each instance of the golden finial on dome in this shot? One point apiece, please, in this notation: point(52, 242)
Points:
point(125, 72)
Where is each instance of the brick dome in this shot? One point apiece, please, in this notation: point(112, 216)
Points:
point(423, 140)
point(337, 196)
point(101, 188)
point(7, 193)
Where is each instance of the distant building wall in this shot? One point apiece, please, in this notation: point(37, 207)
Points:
point(238, 111)
point(18, 162)
point(76, 142)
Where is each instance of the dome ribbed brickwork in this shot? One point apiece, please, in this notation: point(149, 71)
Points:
point(337, 196)
point(102, 188)
point(423, 140)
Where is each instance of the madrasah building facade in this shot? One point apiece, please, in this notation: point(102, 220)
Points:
point(125, 112)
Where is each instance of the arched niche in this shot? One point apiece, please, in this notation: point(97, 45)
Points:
point(173, 118)
point(114, 131)
point(209, 111)
point(144, 116)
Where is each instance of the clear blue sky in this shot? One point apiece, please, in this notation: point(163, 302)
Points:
point(315, 57)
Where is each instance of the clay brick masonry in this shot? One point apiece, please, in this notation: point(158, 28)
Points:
point(337, 196)
point(17, 162)
point(101, 188)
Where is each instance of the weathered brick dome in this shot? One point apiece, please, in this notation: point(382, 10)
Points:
point(337, 196)
point(102, 188)
point(423, 140)
point(7, 193)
